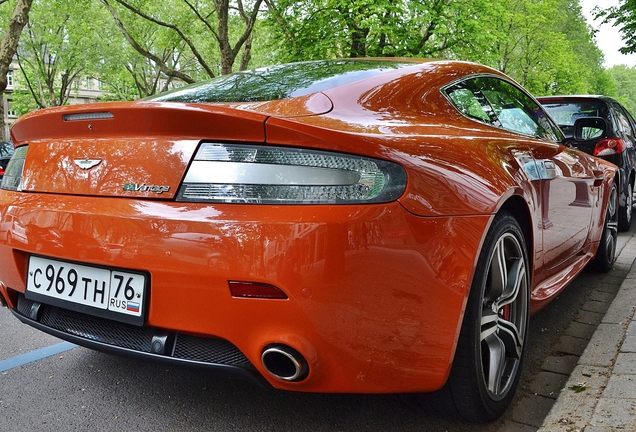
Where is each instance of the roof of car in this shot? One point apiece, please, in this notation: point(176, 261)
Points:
point(575, 97)
point(301, 78)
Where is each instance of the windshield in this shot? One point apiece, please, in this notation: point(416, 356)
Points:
point(279, 82)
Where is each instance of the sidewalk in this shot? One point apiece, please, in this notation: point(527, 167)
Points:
point(600, 394)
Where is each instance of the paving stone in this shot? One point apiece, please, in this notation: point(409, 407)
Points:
point(621, 386)
point(548, 384)
point(625, 364)
point(600, 394)
point(591, 318)
point(516, 427)
point(604, 346)
point(580, 330)
point(595, 306)
point(629, 344)
point(532, 410)
point(560, 364)
point(618, 414)
point(572, 410)
point(619, 312)
point(610, 284)
point(621, 268)
point(602, 296)
point(624, 305)
point(571, 345)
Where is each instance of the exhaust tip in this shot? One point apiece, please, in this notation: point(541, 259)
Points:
point(285, 363)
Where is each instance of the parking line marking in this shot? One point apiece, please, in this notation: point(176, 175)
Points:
point(36, 355)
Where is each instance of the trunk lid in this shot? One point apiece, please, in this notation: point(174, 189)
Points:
point(131, 149)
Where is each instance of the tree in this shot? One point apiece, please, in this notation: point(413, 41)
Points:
point(310, 29)
point(194, 25)
point(59, 48)
point(137, 48)
point(9, 46)
point(624, 17)
point(125, 73)
point(546, 45)
point(625, 78)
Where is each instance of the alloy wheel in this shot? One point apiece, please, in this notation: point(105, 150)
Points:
point(611, 226)
point(504, 316)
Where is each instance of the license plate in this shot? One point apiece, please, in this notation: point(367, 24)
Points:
point(106, 292)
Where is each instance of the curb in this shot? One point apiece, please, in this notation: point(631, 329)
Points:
point(600, 394)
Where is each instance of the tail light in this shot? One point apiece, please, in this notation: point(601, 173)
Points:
point(1, 171)
point(609, 146)
point(233, 173)
point(12, 179)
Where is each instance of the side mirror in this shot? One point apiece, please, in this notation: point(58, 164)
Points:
point(589, 128)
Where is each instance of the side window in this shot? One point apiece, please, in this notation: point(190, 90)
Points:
point(499, 103)
point(516, 111)
point(466, 102)
point(622, 120)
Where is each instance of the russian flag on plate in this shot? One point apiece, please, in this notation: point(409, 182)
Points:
point(132, 307)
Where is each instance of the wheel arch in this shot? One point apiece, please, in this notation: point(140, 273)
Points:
point(519, 209)
point(451, 398)
point(516, 206)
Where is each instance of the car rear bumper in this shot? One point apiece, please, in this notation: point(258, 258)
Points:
point(146, 343)
point(375, 294)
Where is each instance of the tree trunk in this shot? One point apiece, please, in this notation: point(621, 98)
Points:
point(8, 47)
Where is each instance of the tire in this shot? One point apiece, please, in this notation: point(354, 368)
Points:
point(606, 253)
point(492, 341)
point(625, 212)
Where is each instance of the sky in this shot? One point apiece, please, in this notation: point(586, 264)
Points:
point(608, 39)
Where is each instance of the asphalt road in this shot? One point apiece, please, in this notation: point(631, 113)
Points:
point(83, 390)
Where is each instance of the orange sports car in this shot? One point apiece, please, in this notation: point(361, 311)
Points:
point(359, 226)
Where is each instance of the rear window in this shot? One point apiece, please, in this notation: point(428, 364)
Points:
point(565, 113)
point(279, 82)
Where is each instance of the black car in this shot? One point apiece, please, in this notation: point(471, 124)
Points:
point(614, 140)
point(6, 150)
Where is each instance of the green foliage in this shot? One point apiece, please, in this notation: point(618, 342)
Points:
point(23, 102)
point(137, 48)
point(546, 45)
point(58, 47)
point(625, 78)
point(313, 29)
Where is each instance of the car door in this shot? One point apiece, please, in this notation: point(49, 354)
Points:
point(626, 127)
point(563, 177)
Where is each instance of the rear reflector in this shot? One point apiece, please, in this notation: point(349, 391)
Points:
point(255, 290)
